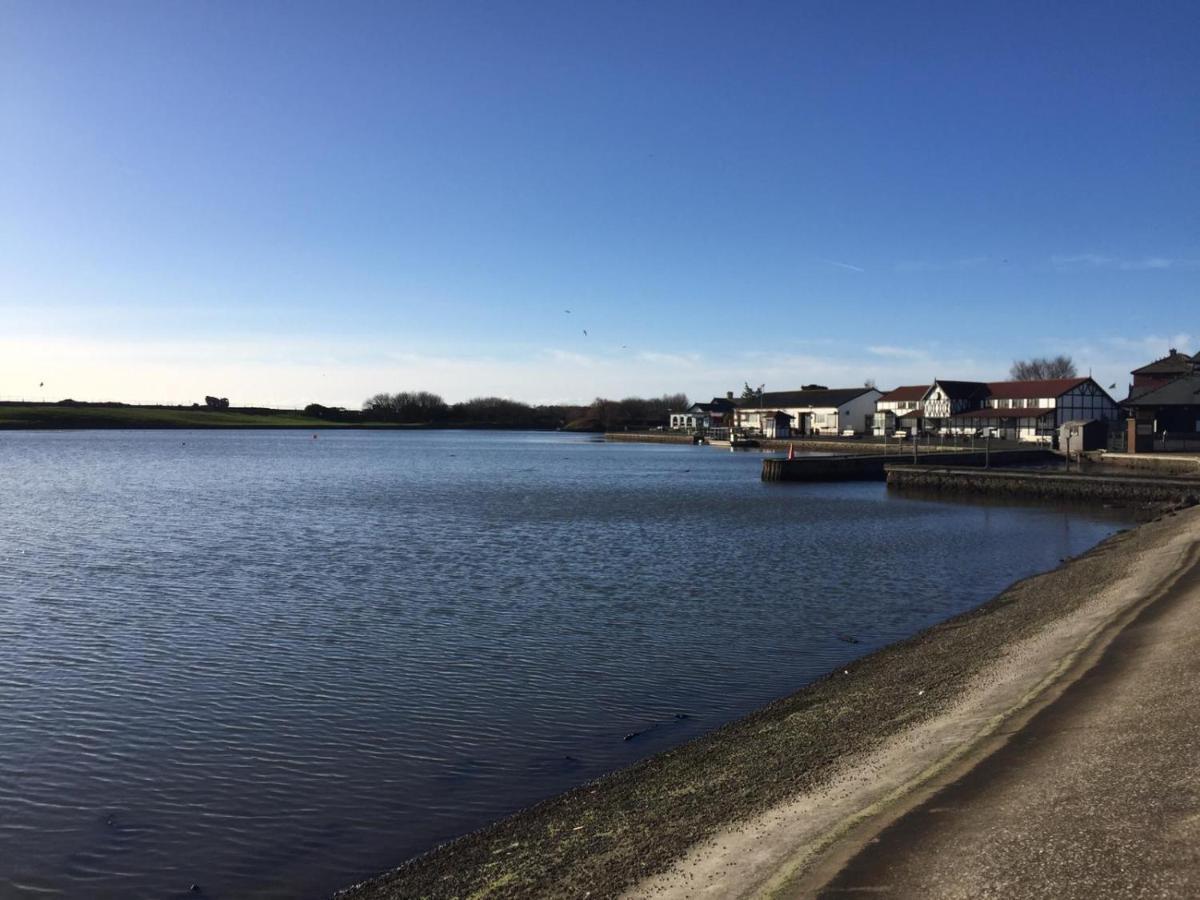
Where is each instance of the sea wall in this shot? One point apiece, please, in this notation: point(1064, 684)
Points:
point(652, 437)
point(1046, 485)
point(844, 446)
point(873, 468)
point(1150, 463)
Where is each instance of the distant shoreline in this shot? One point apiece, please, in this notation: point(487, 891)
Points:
point(22, 416)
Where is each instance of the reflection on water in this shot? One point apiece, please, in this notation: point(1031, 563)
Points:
point(272, 665)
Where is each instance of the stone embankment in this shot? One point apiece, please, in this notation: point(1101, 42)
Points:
point(1122, 489)
point(874, 468)
point(1150, 463)
point(652, 437)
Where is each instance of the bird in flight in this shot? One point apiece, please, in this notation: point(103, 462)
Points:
point(41, 384)
point(567, 311)
point(585, 332)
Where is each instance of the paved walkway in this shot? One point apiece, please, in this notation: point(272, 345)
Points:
point(1097, 796)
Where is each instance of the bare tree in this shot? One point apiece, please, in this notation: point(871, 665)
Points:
point(675, 401)
point(1041, 368)
point(406, 406)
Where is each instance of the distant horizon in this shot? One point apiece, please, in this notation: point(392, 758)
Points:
point(543, 202)
point(1117, 392)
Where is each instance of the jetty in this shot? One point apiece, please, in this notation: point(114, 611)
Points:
point(1040, 484)
point(874, 467)
point(830, 445)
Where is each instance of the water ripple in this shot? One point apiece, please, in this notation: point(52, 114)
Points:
point(272, 666)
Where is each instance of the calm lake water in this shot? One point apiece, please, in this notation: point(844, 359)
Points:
point(272, 665)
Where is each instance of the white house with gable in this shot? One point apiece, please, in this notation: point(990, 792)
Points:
point(813, 411)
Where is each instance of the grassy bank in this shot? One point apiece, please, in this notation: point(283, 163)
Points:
point(602, 838)
point(76, 417)
point(14, 416)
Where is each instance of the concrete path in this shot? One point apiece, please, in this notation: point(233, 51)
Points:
point(1097, 796)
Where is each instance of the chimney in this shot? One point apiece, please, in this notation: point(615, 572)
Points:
point(729, 395)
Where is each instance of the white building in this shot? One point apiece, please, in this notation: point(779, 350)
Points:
point(694, 418)
point(900, 409)
point(718, 413)
point(813, 412)
point(949, 398)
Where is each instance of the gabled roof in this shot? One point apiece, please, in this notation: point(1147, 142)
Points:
point(907, 392)
point(1027, 390)
point(1174, 363)
point(1183, 391)
point(962, 390)
point(723, 404)
point(829, 397)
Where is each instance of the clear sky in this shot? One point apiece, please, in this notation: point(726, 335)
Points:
point(293, 202)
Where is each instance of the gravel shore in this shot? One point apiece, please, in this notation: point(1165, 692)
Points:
point(721, 812)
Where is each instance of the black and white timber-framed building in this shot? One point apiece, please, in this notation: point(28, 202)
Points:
point(1014, 410)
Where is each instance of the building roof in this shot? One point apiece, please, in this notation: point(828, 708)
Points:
point(1182, 391)
point(907, 392)
point(909, 413)
point(723, 404)
point(991, 412)
point(828, 397)
point(962, 390)
point(1028, 390)
point(1174, 363)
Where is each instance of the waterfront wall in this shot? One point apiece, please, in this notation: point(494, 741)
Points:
point(1158, 464)
point(652, 437)
point(1046, 485)
point(845, 447)
point(874, 468)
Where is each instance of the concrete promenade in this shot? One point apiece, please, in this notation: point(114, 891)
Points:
point(1066, 768)
point(1098, 795)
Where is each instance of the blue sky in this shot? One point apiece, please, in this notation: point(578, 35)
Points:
point(291, 202)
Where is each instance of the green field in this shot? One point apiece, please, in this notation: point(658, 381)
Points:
point(50, 416)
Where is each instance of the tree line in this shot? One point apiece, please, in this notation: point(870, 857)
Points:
point(426, 408)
